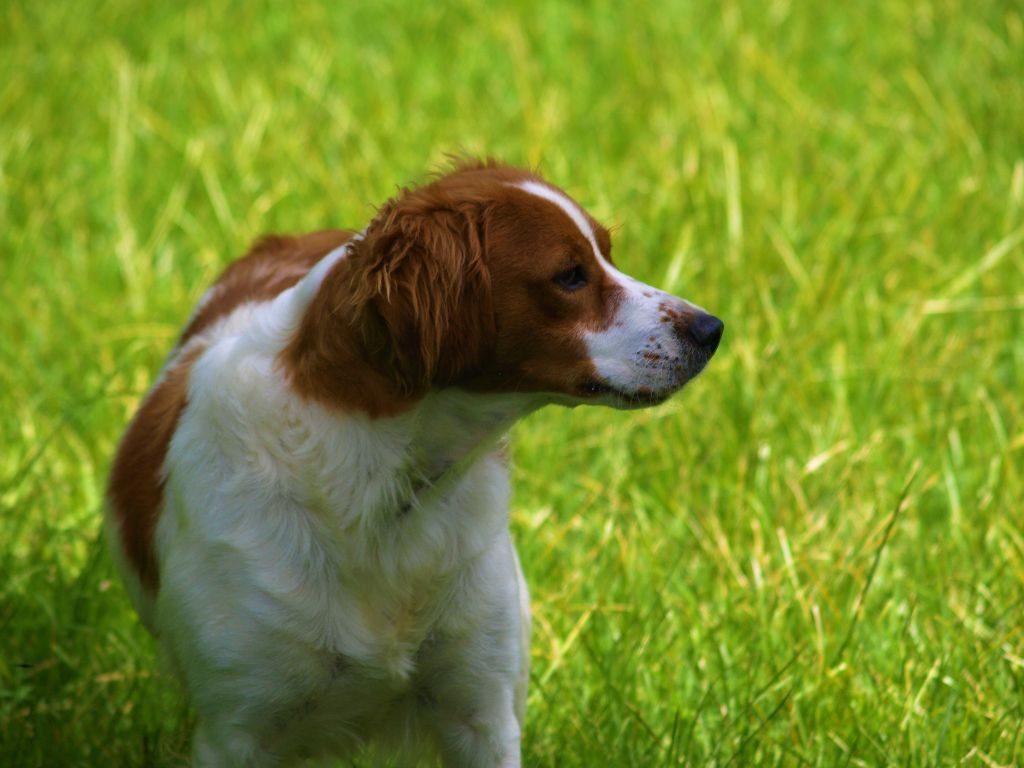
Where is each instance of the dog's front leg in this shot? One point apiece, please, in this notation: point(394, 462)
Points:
point(486, 736)
point(474, 667)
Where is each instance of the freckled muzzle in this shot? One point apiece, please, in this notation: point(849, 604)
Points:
point(654, 355)
point(698, 334)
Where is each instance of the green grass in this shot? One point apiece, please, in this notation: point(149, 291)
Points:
point(728, 580)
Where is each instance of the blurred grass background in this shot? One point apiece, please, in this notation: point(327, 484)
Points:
point(728, 580)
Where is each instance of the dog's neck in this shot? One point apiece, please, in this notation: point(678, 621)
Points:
point(451, 429)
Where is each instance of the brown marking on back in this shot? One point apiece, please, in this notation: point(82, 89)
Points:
point(274, 264)
point(136, 484)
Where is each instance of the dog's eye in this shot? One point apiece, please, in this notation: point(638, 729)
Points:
point(571, 279)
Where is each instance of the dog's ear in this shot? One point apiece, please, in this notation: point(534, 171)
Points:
point(421, 291)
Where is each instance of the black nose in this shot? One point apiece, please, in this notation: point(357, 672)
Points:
point(706, 331)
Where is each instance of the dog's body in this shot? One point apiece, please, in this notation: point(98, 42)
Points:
point(310, 508)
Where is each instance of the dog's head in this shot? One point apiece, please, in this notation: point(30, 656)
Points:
point(493, 280)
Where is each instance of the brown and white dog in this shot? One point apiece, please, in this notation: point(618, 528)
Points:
point(310, 506)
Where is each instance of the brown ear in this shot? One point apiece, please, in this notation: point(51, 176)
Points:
point(421, 291)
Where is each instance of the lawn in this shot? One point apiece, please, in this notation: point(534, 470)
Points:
point(813, 556)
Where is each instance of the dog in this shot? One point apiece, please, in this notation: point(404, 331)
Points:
point(310, 506)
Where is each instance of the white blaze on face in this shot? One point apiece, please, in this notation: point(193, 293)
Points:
point(638, 352)
point(569, 208)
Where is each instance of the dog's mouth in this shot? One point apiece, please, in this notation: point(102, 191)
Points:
point(641, 397)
